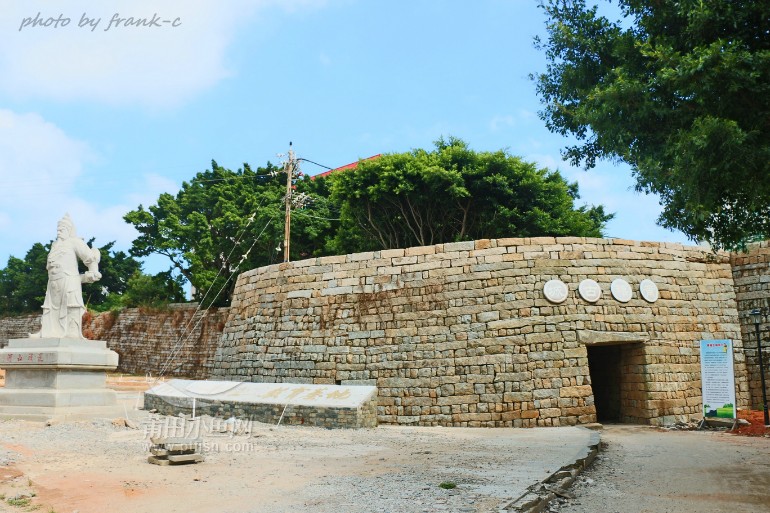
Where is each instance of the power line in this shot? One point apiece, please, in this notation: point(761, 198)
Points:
point(316, 163)
point(301, 213)
point(187, 332)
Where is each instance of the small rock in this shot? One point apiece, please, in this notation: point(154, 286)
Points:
point(561, 492)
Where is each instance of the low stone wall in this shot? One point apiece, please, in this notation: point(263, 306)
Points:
point(18, 326)
point(280, 409)
point(462, 334)
point(751, 274)
point(174, 341)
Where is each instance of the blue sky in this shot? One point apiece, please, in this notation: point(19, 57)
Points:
point(96, 122)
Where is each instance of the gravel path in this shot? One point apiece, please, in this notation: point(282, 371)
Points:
point(647, 470)
point(98, 467)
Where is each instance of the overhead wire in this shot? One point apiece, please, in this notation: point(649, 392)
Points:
point(164, 367)
point(186, 334)
point(187, 331)
point(34, 185)
point(301, 213)
point(316, 163)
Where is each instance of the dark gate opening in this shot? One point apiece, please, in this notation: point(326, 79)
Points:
point(604, 365)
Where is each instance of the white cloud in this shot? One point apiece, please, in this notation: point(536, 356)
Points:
point(40, 168)
point(544, 160)
point(528, 115)
point(522, 117)
point(500, 122)
point(39, 165)
point(37, 157)
point(155, 66)
point(154, 185)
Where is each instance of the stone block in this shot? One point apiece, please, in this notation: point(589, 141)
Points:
point(420, 250)
point(488, 316)
point(49, 378)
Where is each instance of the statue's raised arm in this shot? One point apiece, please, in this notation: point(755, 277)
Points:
point(63, 307)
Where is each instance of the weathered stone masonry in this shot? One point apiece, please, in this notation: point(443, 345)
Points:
point(649, 369)
point(461, 334)
point(751, 273)
point(175, 341)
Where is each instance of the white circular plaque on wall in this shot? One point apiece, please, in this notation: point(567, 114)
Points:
point(590, 290)
point(621, 290)
point(649, 291)
point(555, 291)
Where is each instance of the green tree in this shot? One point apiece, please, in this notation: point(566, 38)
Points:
point(23, 282)
point(157, 290)
point(678, 90)
point(315, 221)
point(116, 268)
point(223, 222)
point(451, 194)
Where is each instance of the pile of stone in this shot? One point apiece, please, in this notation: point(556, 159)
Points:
point(175, 451)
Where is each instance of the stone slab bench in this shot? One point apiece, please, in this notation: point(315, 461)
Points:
point(329, 406)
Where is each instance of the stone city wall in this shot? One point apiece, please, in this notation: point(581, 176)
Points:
point(462, 334)
point(18, 326)
point(173, 341)
point(751, 274)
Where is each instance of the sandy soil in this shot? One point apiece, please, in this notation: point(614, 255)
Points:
point(648, 470)
point(101, 466)
point(98, 467)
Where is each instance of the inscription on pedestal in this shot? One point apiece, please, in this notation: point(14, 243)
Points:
point(55, 377)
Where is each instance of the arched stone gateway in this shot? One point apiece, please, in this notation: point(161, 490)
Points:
point(507, 332)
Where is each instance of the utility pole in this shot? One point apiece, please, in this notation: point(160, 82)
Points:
point(289, 166)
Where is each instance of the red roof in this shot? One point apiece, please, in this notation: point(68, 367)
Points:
point(352, 165)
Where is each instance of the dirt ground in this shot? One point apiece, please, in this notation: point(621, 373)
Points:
point(646, 470)
point(101, 466)
point(95, 466)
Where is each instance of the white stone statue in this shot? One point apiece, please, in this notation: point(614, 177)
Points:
point(63, 307)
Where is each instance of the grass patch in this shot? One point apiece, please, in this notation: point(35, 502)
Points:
point(21, 502)
point(448, 485)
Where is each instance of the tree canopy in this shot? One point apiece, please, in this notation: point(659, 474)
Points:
point(23, 282)
point(223, 222)
point(116, 268)
point(454, 193)
point(678, 90)
point(153, 290)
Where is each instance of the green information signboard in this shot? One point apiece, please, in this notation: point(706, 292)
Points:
point(718, 378)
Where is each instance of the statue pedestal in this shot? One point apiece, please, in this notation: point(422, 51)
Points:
point(57, 378)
